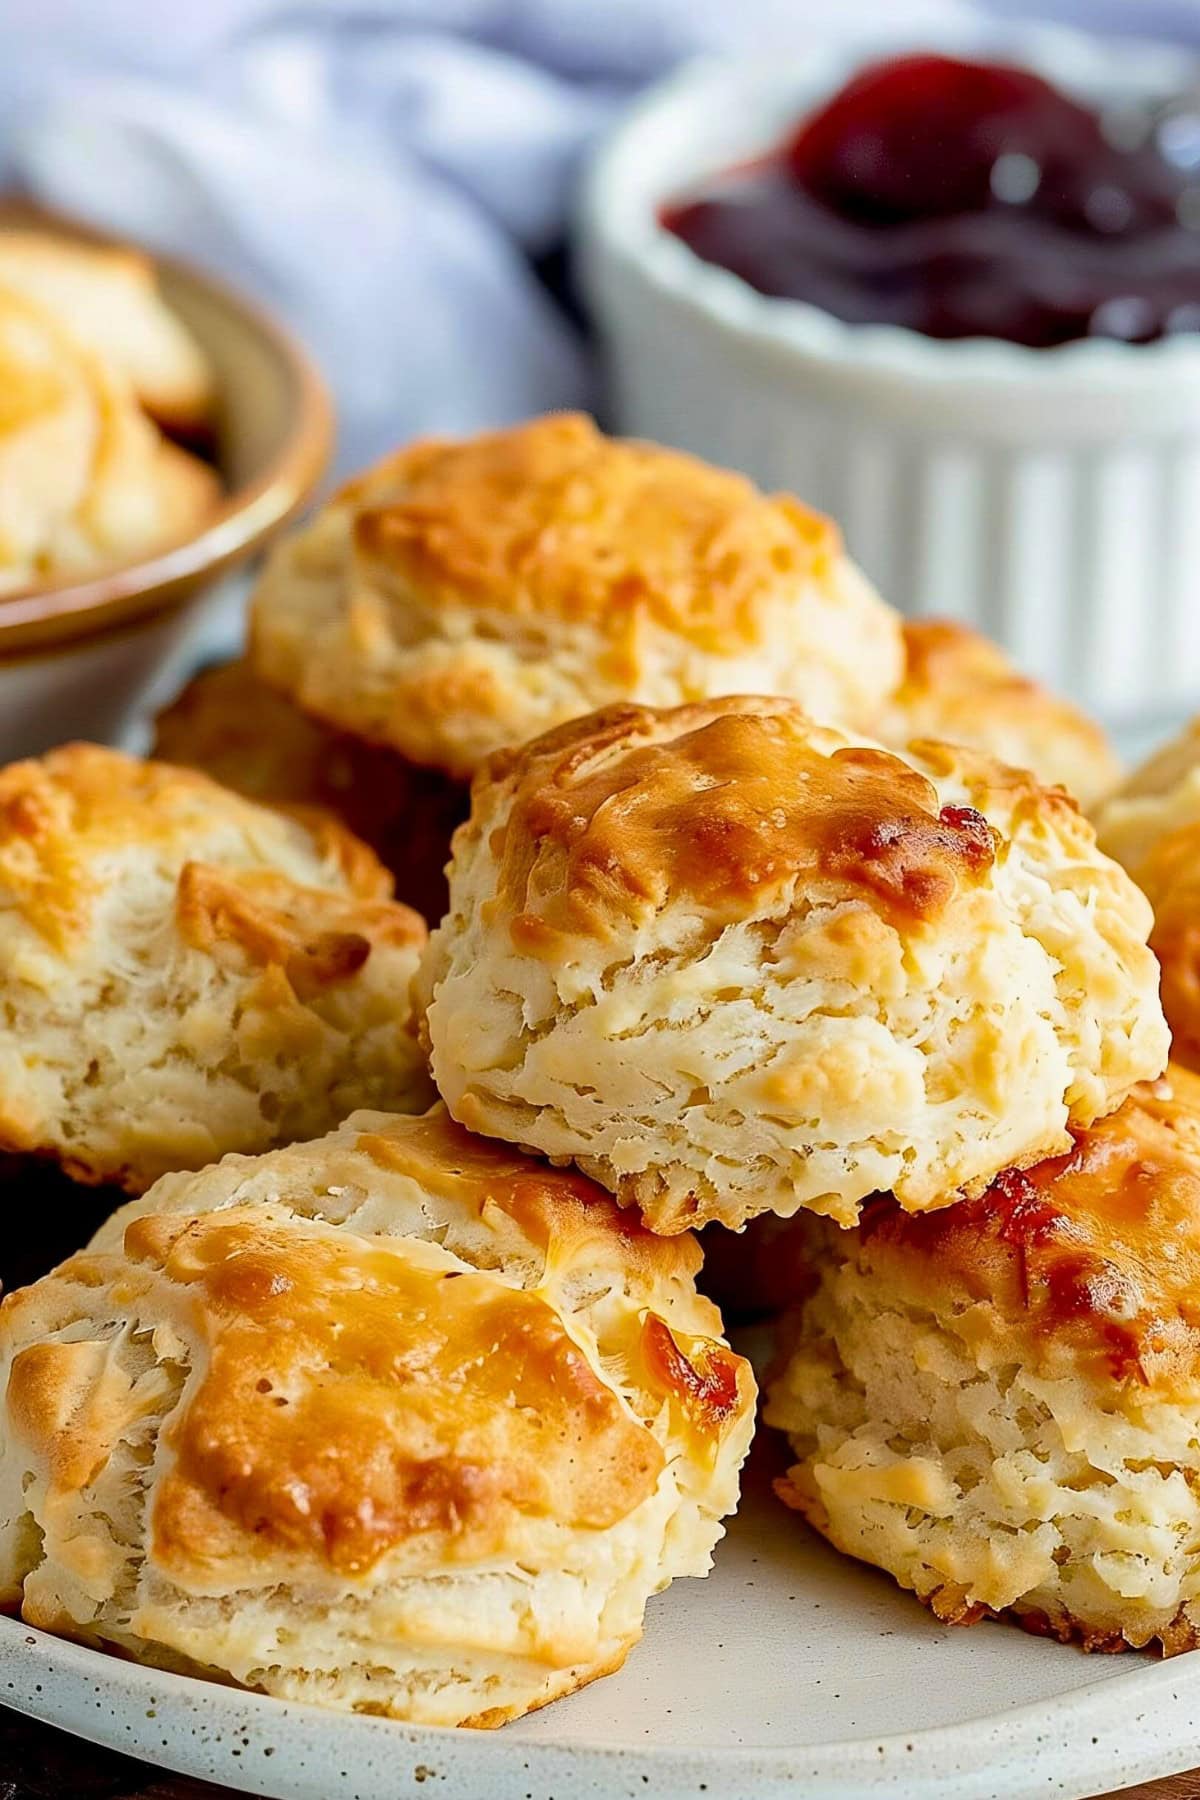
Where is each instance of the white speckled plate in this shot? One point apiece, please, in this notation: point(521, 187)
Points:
point(789, 1671)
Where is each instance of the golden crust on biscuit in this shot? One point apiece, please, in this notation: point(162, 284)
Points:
point(230, 724)
point(960, 686)
point(999, 1403)
point(395, 1420)
point(746, 800)
point(463, 596)
point(107, 299)
point(731, 962)
point(1090, 1261)
point(185, 973)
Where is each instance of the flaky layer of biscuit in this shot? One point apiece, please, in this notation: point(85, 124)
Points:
point(732, 962)
point(397, 1420)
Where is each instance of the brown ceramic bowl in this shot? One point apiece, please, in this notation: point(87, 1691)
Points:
point(75, 659)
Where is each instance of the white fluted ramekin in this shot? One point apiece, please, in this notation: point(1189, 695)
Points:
point(1050, 497)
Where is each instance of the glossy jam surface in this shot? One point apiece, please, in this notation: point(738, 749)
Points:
point(966, 200)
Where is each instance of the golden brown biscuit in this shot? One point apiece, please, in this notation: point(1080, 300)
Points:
point(1152, 826)
point(1000, 1403)
point(732, 962)
point(184, 973)
point(107, 298)
point(230, 724)
point(1161, 796)
point(960, 686)
point(398, 1421)
point(86, 480)
point(460, 597)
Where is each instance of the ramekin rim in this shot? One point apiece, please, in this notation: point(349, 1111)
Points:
point(647, 250)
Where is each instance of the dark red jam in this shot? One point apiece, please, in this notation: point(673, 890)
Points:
point(968, 200)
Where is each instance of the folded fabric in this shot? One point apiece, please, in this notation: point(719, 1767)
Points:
point(383, 173)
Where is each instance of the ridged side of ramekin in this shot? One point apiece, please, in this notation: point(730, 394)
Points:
point(1051, 498)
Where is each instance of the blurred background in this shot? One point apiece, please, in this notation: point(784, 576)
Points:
point(395, 176)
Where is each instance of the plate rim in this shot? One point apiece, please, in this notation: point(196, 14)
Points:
point(997, 1753)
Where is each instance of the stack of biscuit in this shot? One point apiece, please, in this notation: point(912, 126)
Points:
point(765, 913)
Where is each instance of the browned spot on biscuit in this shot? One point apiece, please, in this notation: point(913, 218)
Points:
point(606, 826)
point(360, 1397)
point(318, 939)
point(1093, 1254)
point(703, 1378)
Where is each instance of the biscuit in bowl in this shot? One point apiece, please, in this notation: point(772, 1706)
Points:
point(143, 492)
point(107, 298)
point(398, 1421)
point(961, 687)
point(1000, 1403)
point(732, 962)
point(48, 436)
point(185, 973)
point(459, 598)
point(86, 480)
point(251, 737)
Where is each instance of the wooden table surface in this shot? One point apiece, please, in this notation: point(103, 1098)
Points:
point(39, 1763)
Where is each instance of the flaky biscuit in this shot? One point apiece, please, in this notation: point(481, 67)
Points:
point(398, 1421)
point(230, 724)
point(1000, 1403)
point(1152, 826)
point(732, 962)
point(107, 298)
point(461, 597)
point(1160, 798)
point(961, 687)
point(184, 973)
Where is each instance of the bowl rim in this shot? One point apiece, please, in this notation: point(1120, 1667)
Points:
point(617, 212)
point(46, 617)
